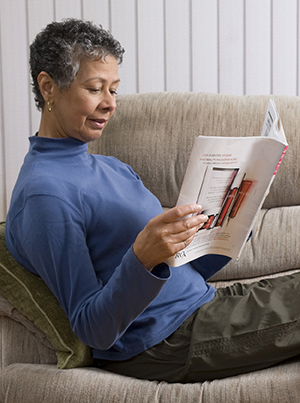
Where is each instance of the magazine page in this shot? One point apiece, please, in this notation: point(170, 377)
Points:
point(272, 126)
point(229, 177)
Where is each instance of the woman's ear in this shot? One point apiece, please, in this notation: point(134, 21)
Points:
point(46, 85)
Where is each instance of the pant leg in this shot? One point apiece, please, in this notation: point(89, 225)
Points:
point(164, 362)
point(244, 328)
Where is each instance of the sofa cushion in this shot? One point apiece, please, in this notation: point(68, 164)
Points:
point(45, 383)
point(30, 296)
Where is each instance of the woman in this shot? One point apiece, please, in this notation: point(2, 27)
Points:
point(99, 238)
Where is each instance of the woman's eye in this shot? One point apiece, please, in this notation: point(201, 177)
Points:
point(94, 90)
point(113, 92)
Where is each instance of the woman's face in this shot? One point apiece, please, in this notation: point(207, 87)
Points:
point(83, 110)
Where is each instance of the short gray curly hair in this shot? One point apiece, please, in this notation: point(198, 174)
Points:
point(60, 47)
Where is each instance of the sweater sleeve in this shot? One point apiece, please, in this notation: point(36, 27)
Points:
point(49, 238)
point(208, 265)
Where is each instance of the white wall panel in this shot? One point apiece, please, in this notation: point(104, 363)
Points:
point(257, 47)
point(124, 28)
point(285, 47)
point(151, 46)
point(3, 203)
point(178, 45)
point(205, 46)
point(15, 107)
point(39, 14)
point(97, 11)
point(231, 46)
point(67, 9)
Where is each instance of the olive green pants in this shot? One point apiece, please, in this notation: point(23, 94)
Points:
point(245, 327)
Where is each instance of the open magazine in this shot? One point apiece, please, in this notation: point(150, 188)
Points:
point(230, 178)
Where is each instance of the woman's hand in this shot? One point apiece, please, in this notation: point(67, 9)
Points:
point(167, 234)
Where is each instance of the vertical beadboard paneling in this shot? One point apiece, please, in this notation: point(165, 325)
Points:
point(258, 47)
point(178, 56)
point(67, 9)
point(231, 46)
point(151, 49)
point(97, 11)
point(124, 29)
point(285, 47)
point(204, 16)
point(15, 81)
point(3, 203)
point(39, 15)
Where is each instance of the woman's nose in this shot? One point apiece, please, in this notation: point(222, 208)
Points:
point(108, 102)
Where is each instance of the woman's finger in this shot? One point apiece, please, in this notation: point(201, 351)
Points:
point(180, 212)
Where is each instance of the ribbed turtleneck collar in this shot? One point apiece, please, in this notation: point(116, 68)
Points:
point(56, 147)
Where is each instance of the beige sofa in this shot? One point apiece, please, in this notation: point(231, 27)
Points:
point(154, 134)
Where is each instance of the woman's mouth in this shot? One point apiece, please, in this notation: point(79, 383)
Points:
point(98, 123)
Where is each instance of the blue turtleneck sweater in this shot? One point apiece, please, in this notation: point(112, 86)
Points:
point(73, 219)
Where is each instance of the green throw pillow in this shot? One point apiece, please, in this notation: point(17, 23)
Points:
point(30, 296)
